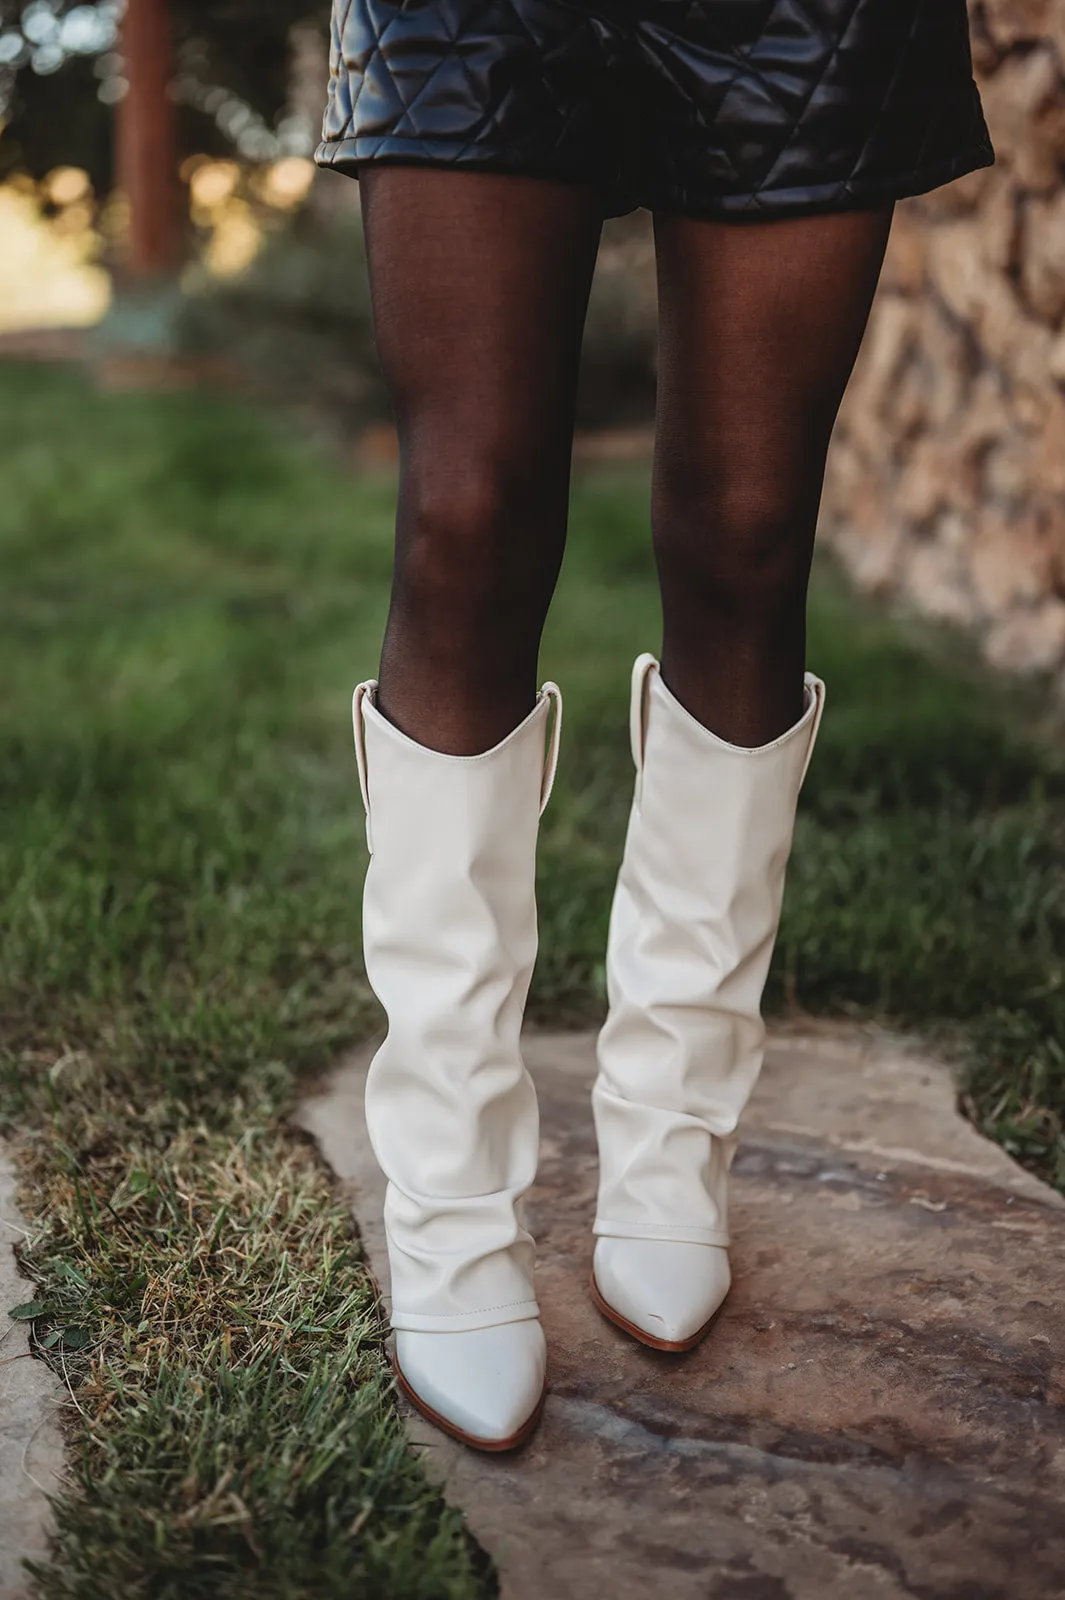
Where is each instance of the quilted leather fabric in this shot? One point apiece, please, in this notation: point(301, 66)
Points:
point(711, 107)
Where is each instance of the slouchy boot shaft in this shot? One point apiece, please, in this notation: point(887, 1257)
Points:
point(692, 929)
point(450, 938)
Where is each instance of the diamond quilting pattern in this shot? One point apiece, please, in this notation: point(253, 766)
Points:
point(718, 107)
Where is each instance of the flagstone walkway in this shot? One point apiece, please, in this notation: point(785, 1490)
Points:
point(879, 1412)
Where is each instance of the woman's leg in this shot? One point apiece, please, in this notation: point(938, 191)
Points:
point(479, 290)
point(480, 286)
point(760, 326)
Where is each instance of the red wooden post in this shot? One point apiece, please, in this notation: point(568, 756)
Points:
point(146, 141)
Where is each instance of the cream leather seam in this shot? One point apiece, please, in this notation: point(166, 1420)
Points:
point(479, 1311)
point(552, 692)
point(815, 700)
point(659, 1227)
point(645, 664)
point(642, 666)
point(400, 737)
point(363, 699)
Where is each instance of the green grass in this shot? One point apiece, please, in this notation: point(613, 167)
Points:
point(190, 592)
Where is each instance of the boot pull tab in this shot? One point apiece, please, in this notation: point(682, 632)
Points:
point(552, 692)
point(638, 715)
point(817, 689)
point(362, 691)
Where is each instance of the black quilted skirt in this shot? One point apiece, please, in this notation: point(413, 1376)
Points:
point(719, 108)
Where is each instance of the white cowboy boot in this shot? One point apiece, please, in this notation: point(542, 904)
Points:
point(692, 929)
point(449, 932)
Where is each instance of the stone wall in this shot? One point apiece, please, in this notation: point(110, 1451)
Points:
point(946, 482)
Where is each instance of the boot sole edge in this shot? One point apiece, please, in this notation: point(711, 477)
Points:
point(670, 1346)
point(453, 1431)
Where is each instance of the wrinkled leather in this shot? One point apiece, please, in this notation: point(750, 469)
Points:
point(692, 928)
point(719, 107)
point(449, 937)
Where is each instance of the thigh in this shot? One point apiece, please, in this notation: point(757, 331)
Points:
point(760, 324)
point(480, 286)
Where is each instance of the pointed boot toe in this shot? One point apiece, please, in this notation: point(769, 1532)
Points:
point(484, 1386)
point(664, 1293)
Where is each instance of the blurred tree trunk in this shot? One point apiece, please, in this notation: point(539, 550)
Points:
point(147, 143)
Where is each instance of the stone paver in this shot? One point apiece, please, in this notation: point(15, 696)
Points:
point(31, 1447)
point(878, 1413)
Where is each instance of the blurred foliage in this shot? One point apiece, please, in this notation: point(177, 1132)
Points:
point(297, 322)
point(57, 118)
